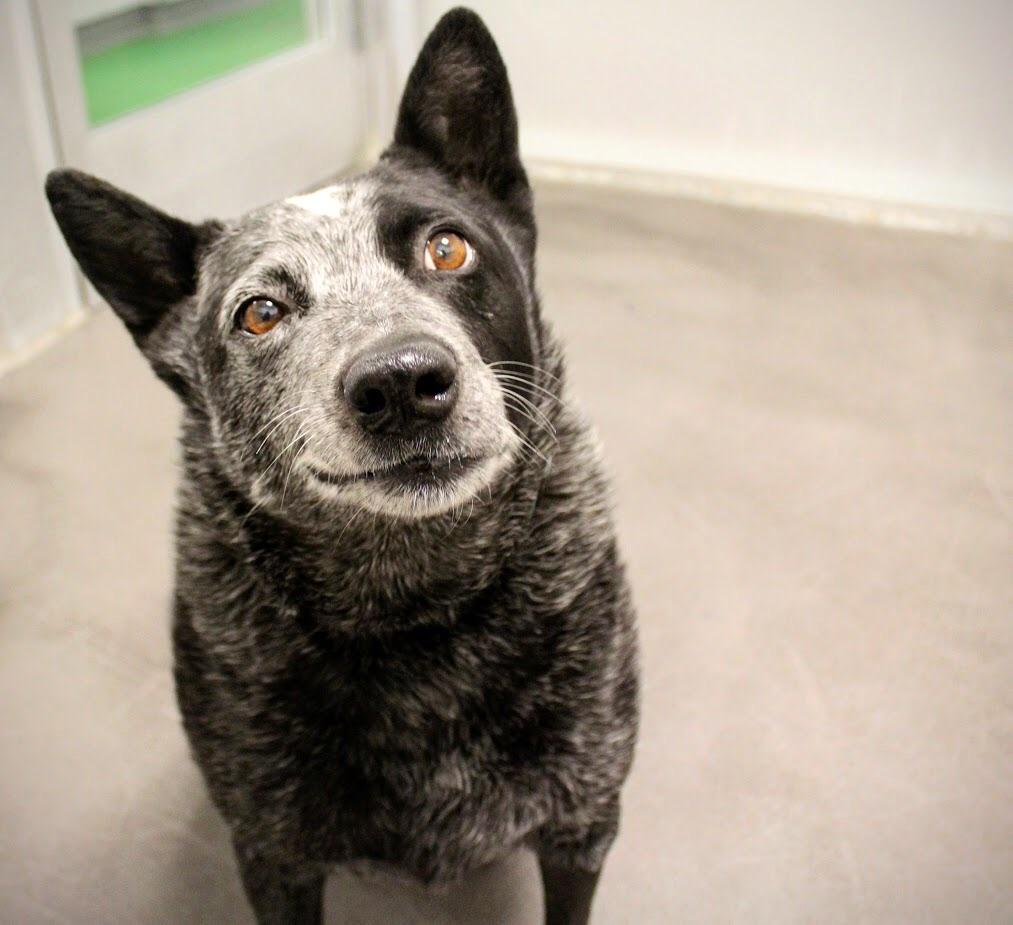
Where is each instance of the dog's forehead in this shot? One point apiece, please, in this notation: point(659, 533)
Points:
point(328, 229)
point(340, 201)
point(342, 209)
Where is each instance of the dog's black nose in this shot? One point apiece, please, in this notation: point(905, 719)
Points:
point(402, 383)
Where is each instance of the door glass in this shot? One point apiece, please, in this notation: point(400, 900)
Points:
point(136, 54)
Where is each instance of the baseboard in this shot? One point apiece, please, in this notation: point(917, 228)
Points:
point(744, 194)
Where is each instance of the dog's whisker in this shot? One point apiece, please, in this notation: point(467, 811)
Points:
point(275, 417)
point(348, 523)
point(535, 410)
point(537, 396)
point(256, 506)
point(526, 383)
point(526, 443)
point(537, 370)
point(294, 461)
point(283, 451)
point(456, 519)
point(524, 414)
point(277, 422)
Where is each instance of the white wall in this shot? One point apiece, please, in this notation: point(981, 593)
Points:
point(36, 272)
point(896, 100)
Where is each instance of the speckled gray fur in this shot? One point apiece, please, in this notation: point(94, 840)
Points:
point(374, 674)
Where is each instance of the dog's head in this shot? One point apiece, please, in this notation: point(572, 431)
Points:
point(369, 344)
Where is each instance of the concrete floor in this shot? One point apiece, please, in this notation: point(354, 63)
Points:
point(811, 426)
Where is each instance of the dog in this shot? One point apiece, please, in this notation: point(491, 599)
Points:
point(403, 635)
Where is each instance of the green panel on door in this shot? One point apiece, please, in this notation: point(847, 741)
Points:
point(136, 73)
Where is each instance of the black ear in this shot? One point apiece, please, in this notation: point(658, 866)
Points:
point(141, 260)
point(457, 109)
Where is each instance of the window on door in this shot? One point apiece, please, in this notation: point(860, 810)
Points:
point(133, 55)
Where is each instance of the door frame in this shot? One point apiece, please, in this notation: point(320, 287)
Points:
point(216, 149)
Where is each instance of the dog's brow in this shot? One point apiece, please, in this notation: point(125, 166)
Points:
point(410, 215)
point(283, 278)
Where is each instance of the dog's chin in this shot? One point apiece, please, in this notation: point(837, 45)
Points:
point(415, 489)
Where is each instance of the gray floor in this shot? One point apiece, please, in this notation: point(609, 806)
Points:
point(811, 427)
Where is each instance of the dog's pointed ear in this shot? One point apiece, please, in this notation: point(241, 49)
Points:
point(142, 261)
point(458, 110)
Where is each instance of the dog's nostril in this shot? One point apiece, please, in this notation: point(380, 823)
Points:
point(371, 401)
point(432, 385)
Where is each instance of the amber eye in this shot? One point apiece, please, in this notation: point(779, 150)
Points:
point(258, 316)
point(447, 250)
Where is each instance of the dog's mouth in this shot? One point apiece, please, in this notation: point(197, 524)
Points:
point(416, 472)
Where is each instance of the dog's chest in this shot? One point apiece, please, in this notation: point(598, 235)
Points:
point(426, 759)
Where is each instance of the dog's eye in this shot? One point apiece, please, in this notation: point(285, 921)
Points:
point(259, 315)
point(447, 250)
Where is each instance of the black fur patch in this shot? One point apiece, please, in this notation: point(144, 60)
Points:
point(493, 299)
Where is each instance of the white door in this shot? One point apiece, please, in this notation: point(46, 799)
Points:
point(205, 107)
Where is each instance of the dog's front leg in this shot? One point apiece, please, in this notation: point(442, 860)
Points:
point(571, 854)
point(278, 895)
point(568, 893)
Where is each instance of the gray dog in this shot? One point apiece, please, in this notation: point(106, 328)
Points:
point(403, 636)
